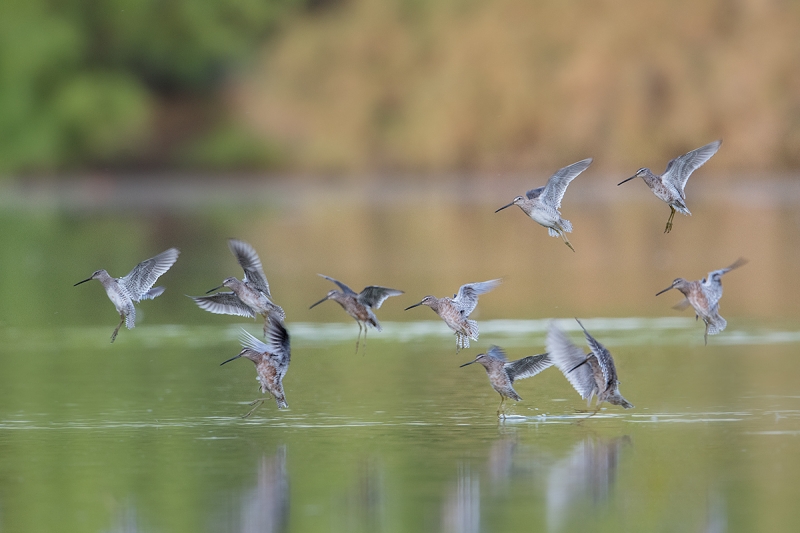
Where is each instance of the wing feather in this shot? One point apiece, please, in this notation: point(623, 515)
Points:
point(557, 184)
point(374, 296)
point(679, 169)
point(144, 275)
point(568, 358)
point(248, 259)
point(345, 288)
point(528, 366)
point(223, 303)
point(467, 298)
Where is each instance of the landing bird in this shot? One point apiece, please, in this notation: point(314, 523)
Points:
point(704, 296)
point(502, 373)
point(360, 305)
point(543, 203)
point(271, 360)
point(669, 185)
point(456, 310)
point(135, 287)
point(250, 297)
point(590, 374)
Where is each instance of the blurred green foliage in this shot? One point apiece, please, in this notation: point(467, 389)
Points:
point(81, 80)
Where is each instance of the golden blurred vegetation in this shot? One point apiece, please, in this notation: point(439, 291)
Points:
point(364, 86)
point(370, 85)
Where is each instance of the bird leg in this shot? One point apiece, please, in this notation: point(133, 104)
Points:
point(669, 220)
point(705, 335)
point(255, 403)
point(500, 408)
point(358, 339)
point(365, 340)
point(566, 241)
point(121, 321)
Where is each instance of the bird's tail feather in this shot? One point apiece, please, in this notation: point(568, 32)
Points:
point(472, 329)
point(717, 326)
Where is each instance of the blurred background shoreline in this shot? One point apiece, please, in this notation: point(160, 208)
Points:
point(360, 88)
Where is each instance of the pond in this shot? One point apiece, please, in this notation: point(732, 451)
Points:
point(146, 434)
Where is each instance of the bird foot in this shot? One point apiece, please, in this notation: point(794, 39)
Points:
point(668, 228)
point(255, 403)
point(570, 245)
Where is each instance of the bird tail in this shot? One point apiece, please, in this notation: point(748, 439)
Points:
point(717, 325)
point(563, 226)
point(471, 330)
point(130, 317)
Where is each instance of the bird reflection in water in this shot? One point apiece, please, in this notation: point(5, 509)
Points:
point(126, 520)
point(587, 473)
point(265, 507)
point(461, 510)
point(365, 499)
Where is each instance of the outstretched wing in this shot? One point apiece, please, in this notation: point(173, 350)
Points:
point(467, 297)
point(278, 341)
point(557, 184)
point(528, 366)
point(604, 358)
point(712, 285)
point(139, 280)
point(569, 359)
point(223, 303)
point(373, 296)
point(251, 342)
point(248, 259)
point(680, 168)
point(534, 193)
point(345, 288)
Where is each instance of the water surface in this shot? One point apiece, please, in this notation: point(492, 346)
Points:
point(146, 434)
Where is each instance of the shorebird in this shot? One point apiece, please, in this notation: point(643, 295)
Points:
point(704, 296)
point(359, 305)
point(502, 373)
point(250, 296)
point(135, 286)
point(543, 203)
point(271, 360)
point(590, 374)
point(669, 185)
point(455, 311)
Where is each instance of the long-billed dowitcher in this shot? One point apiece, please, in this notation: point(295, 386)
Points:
point(359, 305)
point(590, 374)
point(455, 311)
point(543, 203)
point(502, 373)
point(250, 297)
point(271, 360)
point(704, 295)
point(135, 286)
point(669, 185)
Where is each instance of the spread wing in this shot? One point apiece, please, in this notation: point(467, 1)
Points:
point(251, 264)
point(374, 296)
point(557, 184)
point(144, 275)
point(467, 297)
point(223, 303)
point(569, 359)
point(680, 168)
point(278, 341)
point(534, 193)
point(528, 366)
point(712, 285)
point(604, 358)
point(345, 288)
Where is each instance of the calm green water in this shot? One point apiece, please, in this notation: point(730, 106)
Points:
point(145, 434)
